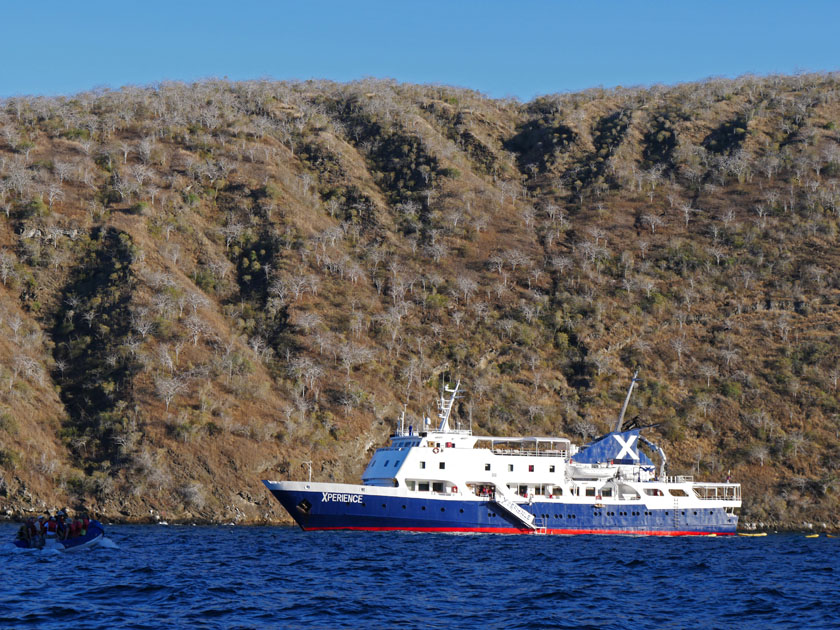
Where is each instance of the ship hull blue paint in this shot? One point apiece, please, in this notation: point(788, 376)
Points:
point(375, 512)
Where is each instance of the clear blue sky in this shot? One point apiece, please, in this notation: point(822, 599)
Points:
point(516, 48)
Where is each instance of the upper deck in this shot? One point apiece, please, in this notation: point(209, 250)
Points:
point(453, 462)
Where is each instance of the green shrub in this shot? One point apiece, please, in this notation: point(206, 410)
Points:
point(8, 459)
point(730, 390)
point(35, 208)
point(7, 422)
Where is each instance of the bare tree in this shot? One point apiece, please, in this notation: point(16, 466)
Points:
point(63, 170)
point(467, 286)
point(652, 221)
point(679, 346)
point(709, 371)
point(168, 387)
point(54, 193)
point(759, 452)
point(7, 266)
point(353, 354)
point(196, 327)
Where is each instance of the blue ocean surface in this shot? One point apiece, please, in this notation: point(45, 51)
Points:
point(281, 577)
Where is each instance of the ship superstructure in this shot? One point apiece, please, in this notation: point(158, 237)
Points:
point(448, 479)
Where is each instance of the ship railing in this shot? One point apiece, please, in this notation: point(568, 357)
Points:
point(678, 479)
point(546, 453)
point(717, 491)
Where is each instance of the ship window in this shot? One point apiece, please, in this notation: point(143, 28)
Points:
point(396, 463)
point(510, 467)
point(437, 486)
point(422, 465)
point(442, 465)
point(530, 468)
point(423, 486)
point(590, 492)
point(551, 468)
point(678, 492)
point(486, 466)
point(410, 484)
point(386, 461)
point(607, 492)
point(557, 492)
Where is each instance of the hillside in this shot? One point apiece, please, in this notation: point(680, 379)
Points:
point(204, 285)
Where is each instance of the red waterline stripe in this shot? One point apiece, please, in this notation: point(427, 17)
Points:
point(513, 530)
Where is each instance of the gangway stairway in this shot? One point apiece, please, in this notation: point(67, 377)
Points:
point(519, 514)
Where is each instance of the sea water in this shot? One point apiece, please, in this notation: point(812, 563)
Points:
point(280, 577)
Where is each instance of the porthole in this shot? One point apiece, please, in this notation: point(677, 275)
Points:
point(423, 508)
point(462, 510)
point(383, 505)
point(443, 509)
point(403, 507)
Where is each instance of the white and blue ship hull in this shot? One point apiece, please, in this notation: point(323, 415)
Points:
point(327, 506)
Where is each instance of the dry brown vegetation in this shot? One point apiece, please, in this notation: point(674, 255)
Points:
point(205, 285)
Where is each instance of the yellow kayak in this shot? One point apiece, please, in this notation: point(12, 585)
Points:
point(812, 536)
point(752, 535)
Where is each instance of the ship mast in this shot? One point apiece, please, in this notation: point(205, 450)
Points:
point(633, 382)
point(446, 406)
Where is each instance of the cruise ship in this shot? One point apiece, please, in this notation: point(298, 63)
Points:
point(447, 479)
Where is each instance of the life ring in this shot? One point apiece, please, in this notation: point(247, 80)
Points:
point(435, 450)
point(454, 489)
point(598, 496)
